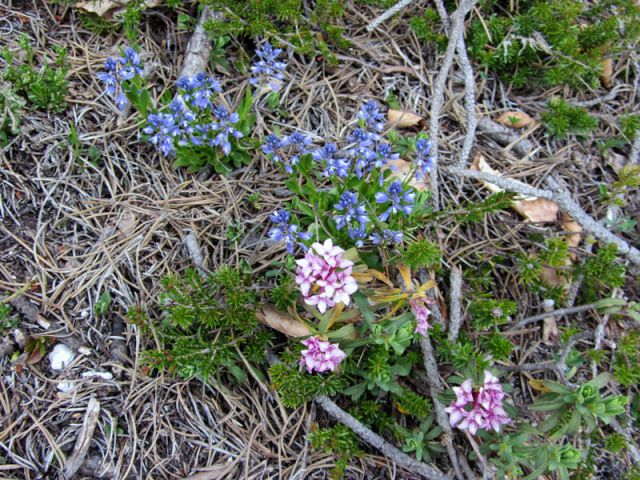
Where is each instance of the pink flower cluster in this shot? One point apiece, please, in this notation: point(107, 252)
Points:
point(321, 356)
point(325, 277)
point(422, 313)
point(482, 408)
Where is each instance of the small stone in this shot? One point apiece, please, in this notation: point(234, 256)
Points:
point(60, 357)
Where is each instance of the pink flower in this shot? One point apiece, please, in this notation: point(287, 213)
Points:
point(321, 356)
point(482, 408)
point(325, 277)
point(422, 313)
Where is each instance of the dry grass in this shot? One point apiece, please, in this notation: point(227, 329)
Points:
point(77, 230)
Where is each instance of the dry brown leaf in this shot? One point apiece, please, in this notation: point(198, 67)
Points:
point(515, 119)
point(400, 119)
point(401, 169)
point(281, 321)
point(607, 72)
point(573, 240)
point(101, 7)
point(550, 275)
point(539, 210)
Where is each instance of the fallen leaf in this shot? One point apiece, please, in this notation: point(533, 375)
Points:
point(550, 275)
point(281, 322)
point(515, 119)
point(573, 240)
point(400, 119)
point(401, 169)
point(538, 385)
point(607, 72)
point(538, 210)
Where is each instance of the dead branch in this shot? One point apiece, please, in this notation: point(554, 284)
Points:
point(563, 198)
point(376, 441)
point(455, 307)
point(438, 95)
point(387, 14)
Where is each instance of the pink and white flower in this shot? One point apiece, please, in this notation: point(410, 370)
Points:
point(324, 276)
point(482, 408)
point(321, 356)
point(422, 314)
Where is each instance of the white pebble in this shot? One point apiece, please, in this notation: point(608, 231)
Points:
point(61, 356)
point(65, 387)
point(103, 375)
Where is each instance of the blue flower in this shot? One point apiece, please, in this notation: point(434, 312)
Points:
point(198, 91)
point(400, 202)
point(163, 130)
point(287, 231)
point(334, 165)
point(370, 114)
point(388, 236)
point(384, 154)
point(423, 162)
point(268, 70)
point(299, 143)
point(273, 146)
point(110, 81)
point(352, 211)
point(358, 234)
point(118, 70)
point(362, 152)
point(224, 128)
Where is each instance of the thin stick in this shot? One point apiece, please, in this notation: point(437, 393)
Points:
point(555, 314)
point(563, 198)
point(455, 314)
point(376, 441)
point(438, 96)
point(469, 87)
point(387, 14)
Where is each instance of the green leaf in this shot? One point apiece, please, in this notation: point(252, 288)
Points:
point(102, 305)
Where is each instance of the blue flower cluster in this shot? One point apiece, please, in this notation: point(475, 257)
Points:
point(401, 201)
point(365, 150)
point(423, 162)
point(194, 119)
point(285, 230)
point(351, 210)
point(118, 70)
point(288, 149)
point(267, 70)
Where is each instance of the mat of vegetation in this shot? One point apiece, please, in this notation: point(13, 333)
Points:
point(319, 239)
